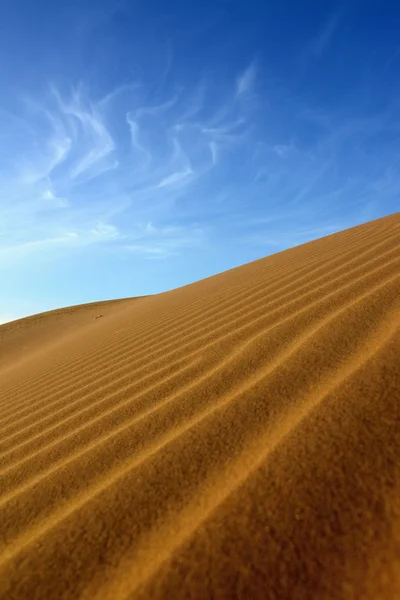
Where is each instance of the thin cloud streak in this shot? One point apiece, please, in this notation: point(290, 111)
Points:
point(95, 173)
point(324, 37)
point(245, 81)
point(101, 165)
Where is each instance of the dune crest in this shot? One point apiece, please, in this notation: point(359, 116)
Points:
point(234, 438)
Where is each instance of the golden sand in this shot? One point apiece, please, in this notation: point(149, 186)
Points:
point(235, 438)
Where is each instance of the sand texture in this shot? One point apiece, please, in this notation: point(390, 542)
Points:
point(235, 438)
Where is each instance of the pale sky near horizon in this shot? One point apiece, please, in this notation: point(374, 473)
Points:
point(148, 144)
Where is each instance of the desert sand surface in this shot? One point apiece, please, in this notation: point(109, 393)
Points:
point(235, 438)
point(19, 338)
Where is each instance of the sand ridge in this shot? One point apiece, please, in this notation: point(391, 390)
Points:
point(234, 438)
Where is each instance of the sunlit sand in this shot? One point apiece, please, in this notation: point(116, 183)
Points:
point(235, 438)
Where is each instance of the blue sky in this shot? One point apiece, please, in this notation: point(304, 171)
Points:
point(148, 144)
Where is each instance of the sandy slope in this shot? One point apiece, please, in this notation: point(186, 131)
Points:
point(235, 438)
point(19, 339)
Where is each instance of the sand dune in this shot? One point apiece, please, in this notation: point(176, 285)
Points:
point(235, 438)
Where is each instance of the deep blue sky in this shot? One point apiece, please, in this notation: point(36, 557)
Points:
point(148, 144)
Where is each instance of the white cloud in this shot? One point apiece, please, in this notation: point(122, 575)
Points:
point(214, 152)
point(92, 170)
point(245, 81)
point(64, 241)
point(108, 100)
point(105, 231)
point(323, 38)
point(164, 241)
point(283, 150)
point(176, 178)
point(156, 109)
point(39, 164)
point(53, 201)
point(93, 143)
point(100, 144)
point(179, 161)
point(143, 152)
point(315, 47)
point(280, 239)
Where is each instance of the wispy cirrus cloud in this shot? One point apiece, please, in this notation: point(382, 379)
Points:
point(284, 150)
point(325, 35)
point(346, 173)
point(318, 45)
point(90, 171)
point(154, 175)
point(164, 242)
point(180, 165)
point(83, 121)
point(245, 81)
